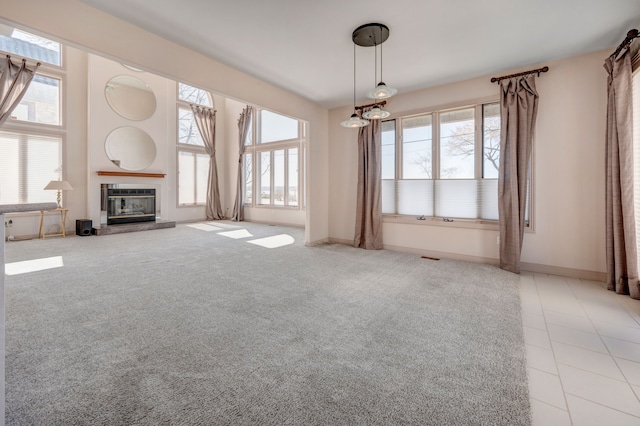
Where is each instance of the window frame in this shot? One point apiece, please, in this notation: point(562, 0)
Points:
point(256, 149)
point(435, 112)
point(35, 129)
point(190, 148)
point(195, 152)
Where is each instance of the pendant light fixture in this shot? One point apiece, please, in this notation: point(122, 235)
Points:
point(376, 113)
point(354, 121)
point(370, 35)
point(379, 33)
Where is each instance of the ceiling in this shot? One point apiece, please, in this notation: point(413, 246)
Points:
point(305, 46)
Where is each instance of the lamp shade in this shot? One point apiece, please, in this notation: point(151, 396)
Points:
point(354, 121)
point(376, 113)
point(60, 185)
point(382, 91)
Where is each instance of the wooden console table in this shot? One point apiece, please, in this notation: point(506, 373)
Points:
point(63, 221)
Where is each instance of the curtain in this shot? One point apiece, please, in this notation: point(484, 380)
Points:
point(621, 250)
point(206, 122)
point(14, 81)
point(368, 233)
point(518, 108)
point(244, 124)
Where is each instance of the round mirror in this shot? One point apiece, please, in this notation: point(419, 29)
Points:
point(130, 148)
point(130, 97)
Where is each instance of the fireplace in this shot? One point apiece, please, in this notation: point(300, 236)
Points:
point(130, 205)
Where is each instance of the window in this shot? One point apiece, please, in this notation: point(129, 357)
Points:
point(276, 146)
point(32, 139)
point(192, 179)
point(193, 161)
point(27, 164)
point(442, 164)
point(25, 45)
point(275, 127)
point(41, 102)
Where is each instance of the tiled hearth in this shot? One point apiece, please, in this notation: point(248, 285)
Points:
point(132, 227)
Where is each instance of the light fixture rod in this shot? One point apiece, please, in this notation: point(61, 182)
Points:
point(354, 77)
point(381, 79)
point(381, 103)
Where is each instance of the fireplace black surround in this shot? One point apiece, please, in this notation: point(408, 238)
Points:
point(130, 205)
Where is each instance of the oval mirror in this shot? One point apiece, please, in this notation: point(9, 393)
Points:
point(130, 148)
point(130, 97)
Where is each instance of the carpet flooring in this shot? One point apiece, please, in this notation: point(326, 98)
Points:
point(195, 325)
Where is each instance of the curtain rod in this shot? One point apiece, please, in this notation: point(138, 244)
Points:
point(539, 70)
point(24, 60)
point(632, 34)
point(381, 103)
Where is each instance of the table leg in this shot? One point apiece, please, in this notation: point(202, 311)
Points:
point(63, 218)
point(41, 230)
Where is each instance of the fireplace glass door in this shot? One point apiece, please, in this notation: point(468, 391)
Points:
point(130, 205)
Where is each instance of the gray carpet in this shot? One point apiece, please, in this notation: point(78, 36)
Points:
point(184, 326)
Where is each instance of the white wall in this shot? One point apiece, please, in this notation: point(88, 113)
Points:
point(98, 32)
point(568, 170)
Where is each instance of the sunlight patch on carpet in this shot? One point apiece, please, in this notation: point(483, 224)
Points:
point(236, 235)
point(26, 266)
point(205, 227)
point(274, 241)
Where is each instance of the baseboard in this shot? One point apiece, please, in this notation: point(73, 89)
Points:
point(317, 242)
point(524, 266)
point(340, 241)
point(266, 222)
point(565, 272)
point(443, 255)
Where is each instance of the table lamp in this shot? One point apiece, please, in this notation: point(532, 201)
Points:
point(59, 185)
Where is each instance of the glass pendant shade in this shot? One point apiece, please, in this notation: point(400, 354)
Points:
point(382, 91)
point(376, 113)
point(354, 121)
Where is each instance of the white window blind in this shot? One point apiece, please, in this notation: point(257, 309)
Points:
point(448, 198)
point(27, 164)
point(193, 172)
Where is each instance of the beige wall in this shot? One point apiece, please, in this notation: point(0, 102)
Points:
point(74, 23)
point(568, 169)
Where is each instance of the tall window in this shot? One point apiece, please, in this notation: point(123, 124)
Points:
point(31, 139)
point(193, 161)
point(272, 156)
point(442, 164)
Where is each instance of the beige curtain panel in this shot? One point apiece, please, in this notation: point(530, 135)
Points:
point(206, 122)
point(518, 109)
point(14, 82)
point(368, 233)
point(244, 124)
point(621, 250)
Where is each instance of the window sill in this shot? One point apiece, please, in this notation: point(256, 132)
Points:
point(434, 221)
point(272, 206)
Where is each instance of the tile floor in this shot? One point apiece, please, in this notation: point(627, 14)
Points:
point(583, 352)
